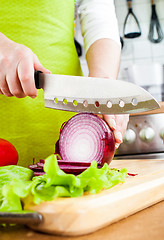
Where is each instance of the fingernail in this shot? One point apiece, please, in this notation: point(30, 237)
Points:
point(112, 123)
point(118, 136)
point(33, 96)
point(117, 145)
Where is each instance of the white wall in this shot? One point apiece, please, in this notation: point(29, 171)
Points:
point(140, 50)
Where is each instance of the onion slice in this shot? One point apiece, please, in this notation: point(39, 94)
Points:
point(85, 138)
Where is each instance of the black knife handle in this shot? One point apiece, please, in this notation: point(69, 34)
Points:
point(36, 78)
point(22, 217)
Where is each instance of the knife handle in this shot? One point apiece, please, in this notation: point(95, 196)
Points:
point(36, 78)
point(23, 217)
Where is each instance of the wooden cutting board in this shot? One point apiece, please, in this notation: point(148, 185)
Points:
point(78, 216)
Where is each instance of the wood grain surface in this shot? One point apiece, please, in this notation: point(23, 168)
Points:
point(83, 215)
point(147, 224)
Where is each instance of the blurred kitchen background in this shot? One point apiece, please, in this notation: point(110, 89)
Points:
point(142, 62)
point(138, 50)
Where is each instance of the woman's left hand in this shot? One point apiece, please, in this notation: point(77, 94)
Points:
point(118, 123)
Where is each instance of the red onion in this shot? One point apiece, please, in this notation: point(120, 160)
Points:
point(85, 138)
point(39, 173)
point(35, 167)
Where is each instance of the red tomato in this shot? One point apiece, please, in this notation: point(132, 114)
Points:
point(8, 153)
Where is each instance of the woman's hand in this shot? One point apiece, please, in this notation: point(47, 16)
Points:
point(118, 123)
point(17, 65)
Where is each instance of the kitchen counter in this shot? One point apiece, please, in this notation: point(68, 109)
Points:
point(147, 224)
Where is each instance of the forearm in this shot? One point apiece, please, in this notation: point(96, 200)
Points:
point(103, 58)
point(99, 28)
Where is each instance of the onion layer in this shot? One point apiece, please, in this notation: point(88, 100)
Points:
point(85, 138)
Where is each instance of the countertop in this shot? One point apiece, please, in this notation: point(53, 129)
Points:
point(147, 224)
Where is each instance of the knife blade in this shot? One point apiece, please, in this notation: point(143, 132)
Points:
point(94, 95)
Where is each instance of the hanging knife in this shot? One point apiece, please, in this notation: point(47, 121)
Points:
point(96, 95)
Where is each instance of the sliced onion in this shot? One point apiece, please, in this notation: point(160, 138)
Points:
point(42, 160)
point(38, 173)
point(85, 138)
point(39, 164)
point(72, 169)
point(62, 162)
point(35, 168)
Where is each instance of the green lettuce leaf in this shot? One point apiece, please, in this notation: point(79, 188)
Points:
point(10, 175)
point(16, 188)
point(11, 172)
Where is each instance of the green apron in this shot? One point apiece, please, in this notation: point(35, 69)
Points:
point(47, 28)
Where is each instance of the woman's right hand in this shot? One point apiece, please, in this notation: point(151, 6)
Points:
point(17, 65)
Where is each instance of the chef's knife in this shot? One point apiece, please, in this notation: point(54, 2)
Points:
point(96, 95)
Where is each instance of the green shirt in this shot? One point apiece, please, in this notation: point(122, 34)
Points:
point(47, 28)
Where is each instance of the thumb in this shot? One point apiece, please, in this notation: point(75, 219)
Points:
point(38, 66)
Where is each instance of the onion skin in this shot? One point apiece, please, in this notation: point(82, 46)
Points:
point(109, 149)
point(105, 137)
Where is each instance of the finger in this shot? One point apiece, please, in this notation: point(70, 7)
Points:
point(38, 66)
point(25, 73)
point(110, 119)
point(122, 122)
point(14, 84)
point(118, 136)
point(117, 145)
point(1, 77)
point(4, 86)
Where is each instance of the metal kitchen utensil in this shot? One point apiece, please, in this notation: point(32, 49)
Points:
point(96, 95)
point(122, 42)
point(135, 20)
point(155, 31)
point(21, 217)
point(78, 47)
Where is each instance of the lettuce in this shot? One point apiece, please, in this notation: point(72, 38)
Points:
point(18, 184)
point(8, 175)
